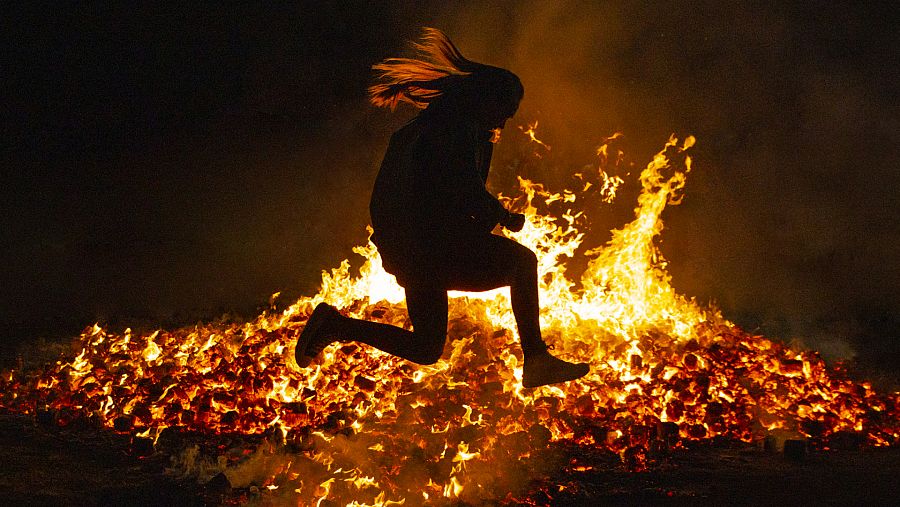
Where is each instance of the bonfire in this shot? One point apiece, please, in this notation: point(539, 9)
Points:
point(361, 427)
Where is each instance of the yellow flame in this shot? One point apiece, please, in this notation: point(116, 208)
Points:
point(152, 350)
point(453, 488)
point(360, 415)
point(531, 132)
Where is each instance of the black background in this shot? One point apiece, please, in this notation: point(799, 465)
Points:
point(167, 164)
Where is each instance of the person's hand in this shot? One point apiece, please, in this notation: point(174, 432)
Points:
point(514, 222)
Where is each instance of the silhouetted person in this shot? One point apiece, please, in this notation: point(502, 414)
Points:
point(433, 217)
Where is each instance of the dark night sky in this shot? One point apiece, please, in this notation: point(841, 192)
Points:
point(162, 166)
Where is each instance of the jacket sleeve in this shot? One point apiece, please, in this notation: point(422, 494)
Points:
point(459, 182)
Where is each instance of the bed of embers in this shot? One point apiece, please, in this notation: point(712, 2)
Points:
point(222, 414)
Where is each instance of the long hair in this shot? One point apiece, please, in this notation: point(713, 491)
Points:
point(438, 69)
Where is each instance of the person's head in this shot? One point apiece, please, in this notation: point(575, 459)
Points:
point(442, 78)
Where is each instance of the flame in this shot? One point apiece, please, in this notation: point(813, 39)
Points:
point(365, 428)
point(609, 184)
point(531, 132)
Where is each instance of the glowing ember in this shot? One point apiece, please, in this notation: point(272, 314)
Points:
point(364, 428)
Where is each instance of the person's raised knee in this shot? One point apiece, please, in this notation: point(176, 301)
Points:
point(428, 359)
point(527, 259)
point(432, 353)
point(531, 256)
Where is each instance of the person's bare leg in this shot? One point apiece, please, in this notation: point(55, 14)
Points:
point(485, 264)
point(541, 368)
point(493, 262)
point(423, 345)
point(523, 291)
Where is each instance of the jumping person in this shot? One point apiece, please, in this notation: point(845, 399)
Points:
point(432, 216)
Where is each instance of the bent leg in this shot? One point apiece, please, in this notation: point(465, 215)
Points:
point(427, 308)
point(483, 264)
point(494, 261)
point(424, 345)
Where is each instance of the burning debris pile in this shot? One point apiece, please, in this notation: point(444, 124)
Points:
point(364, 428)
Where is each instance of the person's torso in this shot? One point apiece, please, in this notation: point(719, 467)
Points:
point(416, 179)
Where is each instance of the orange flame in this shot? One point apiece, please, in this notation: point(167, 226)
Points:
point(531, 132)
point(366, 428)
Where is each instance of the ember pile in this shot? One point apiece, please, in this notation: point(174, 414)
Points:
point(227, 401)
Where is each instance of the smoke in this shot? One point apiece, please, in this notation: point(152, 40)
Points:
point(172, 166)
point(787, 224)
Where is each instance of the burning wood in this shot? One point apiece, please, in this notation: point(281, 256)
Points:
point(364, 428)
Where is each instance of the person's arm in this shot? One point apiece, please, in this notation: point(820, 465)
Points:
point(452, 155)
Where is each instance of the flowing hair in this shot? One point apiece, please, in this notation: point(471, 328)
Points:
point(438, 67)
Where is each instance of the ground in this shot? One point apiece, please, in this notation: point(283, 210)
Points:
point(46, 465)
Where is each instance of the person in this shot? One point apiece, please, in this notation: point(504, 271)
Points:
point(433, 217)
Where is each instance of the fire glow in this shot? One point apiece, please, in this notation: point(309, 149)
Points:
point(361, 427)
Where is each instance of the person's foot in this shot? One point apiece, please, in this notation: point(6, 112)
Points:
point(316, 335)
point(545, 369)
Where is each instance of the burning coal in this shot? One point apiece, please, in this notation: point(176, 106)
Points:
point(364, 428)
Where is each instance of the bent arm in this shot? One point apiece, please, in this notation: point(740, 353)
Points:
point(460, 182)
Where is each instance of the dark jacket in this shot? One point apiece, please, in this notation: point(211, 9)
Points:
point(430, 195)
